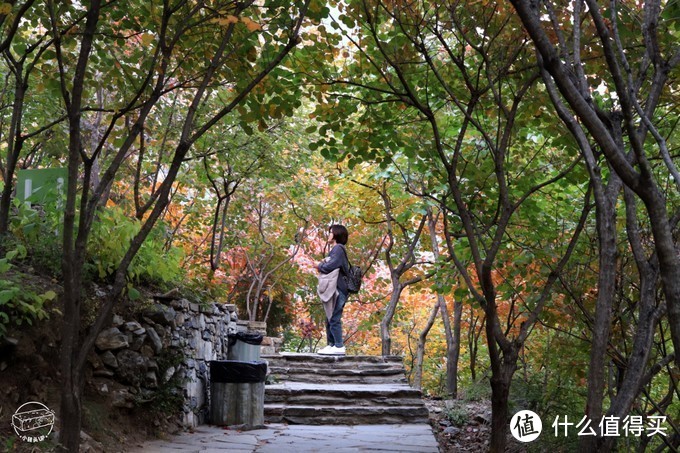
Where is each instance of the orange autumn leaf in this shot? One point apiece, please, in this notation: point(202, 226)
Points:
point(226, 21)
point(251, 24)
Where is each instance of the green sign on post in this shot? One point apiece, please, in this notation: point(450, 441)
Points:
point(34, 186)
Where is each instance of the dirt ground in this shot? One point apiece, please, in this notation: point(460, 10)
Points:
point(105, 429)
point(464, 426)
point(465, 433)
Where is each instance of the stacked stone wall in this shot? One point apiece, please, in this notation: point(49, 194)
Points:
point(164, 352)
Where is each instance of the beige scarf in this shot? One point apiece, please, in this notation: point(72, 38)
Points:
point(328, 291)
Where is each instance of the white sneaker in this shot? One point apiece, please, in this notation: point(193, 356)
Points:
point(337, 351)
point(326, 350)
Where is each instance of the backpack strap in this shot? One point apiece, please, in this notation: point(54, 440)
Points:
point(349, 263)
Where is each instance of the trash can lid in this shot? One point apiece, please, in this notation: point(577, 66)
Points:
point(246, 337)
point(237, 372)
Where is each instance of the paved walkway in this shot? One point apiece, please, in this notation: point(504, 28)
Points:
point(279, 438)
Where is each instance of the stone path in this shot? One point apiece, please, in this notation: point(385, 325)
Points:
point(280, 438)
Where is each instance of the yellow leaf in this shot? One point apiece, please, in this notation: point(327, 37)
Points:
point(147, 39)
point(5, 9)
point(251, 24)
point(226, 21)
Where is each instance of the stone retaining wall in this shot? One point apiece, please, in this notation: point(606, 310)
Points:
point(164, 353)
point(270, 345)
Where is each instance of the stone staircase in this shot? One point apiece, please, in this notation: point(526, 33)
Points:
point(311, 389)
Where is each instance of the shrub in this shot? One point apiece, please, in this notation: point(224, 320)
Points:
point(18, 304)
point(38, 230)
point(477, 391)
point(457, 414)
point(111, 235)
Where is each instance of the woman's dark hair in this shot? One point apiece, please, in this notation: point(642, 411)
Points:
point(339, 234)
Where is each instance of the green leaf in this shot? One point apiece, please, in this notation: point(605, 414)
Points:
point(6, 295)
point(133, 294)
point(461, 292)
point(49, 295)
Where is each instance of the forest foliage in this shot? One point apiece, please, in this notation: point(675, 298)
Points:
point(507, 172)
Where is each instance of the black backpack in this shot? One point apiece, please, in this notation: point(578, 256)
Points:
point(353, 277)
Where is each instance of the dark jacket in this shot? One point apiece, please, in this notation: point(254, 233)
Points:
point(337, 259)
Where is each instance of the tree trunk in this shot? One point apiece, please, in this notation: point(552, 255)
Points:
point(632, 375)
point(500, 411)
point(473, 339)
point(15, 143)
point(386, 323)
point(71, 379)
point(503, 363)
point(669, 264)
point(6, 199)
point(452, 343)
point(420, 349)
point(73, 255)
point(71, 413)
point(606, 227)
point(452, 351)
point(452, 335)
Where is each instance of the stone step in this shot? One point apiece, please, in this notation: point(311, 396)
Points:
point(314, 389)
point(345, 415)
point(344, 395)
point(339, 401)
point(330, 375)
point(347, 361)
point(334, 368)
point(338, 369)
point(371, 367)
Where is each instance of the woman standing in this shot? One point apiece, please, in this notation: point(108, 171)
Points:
point(336, 259)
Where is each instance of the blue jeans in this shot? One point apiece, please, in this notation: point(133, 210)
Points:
point(334, 326)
